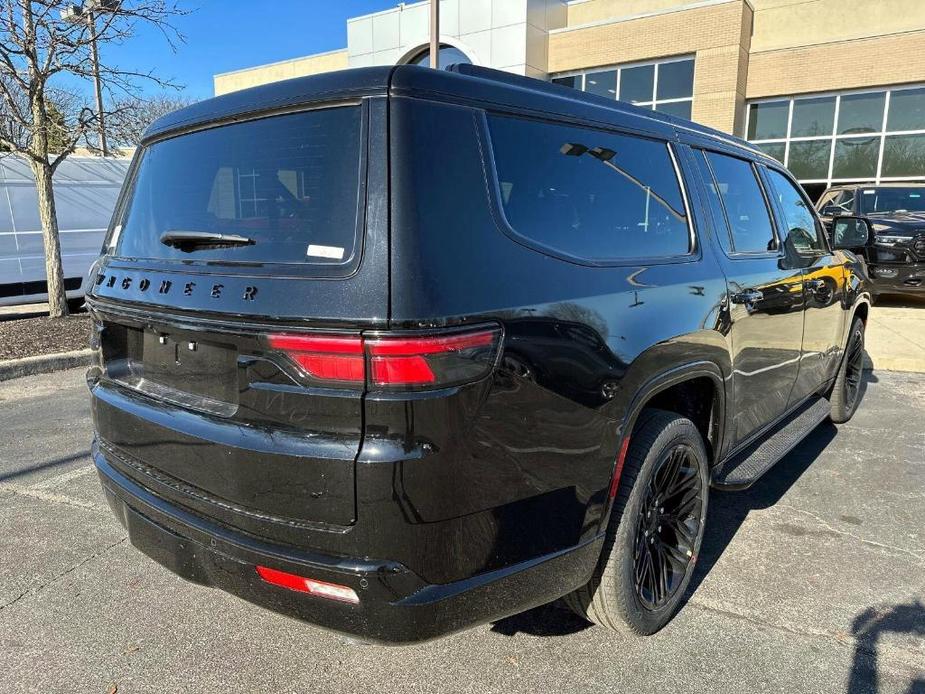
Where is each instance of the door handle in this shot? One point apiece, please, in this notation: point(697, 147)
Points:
point(747, 296)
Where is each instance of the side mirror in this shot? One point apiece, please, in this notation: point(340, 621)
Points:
point(831, 211)
point(850, 233)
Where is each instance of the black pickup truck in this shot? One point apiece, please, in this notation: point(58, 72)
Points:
point(398, 351)
point(895, 251)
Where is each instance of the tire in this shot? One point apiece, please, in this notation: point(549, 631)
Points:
point(612, 598)
point(846, 391)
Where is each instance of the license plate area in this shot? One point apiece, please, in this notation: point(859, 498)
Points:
point(188, 364)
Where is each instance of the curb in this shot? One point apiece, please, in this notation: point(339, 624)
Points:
point(44, 363)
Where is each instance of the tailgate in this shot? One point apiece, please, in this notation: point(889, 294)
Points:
point(218, 421)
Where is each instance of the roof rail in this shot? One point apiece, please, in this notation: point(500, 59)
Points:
point(542, 86)
point(487, 73)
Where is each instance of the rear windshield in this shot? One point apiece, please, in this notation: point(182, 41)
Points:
point(284, 187)
point(893, 200)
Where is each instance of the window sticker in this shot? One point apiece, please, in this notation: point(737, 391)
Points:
point(334, 252)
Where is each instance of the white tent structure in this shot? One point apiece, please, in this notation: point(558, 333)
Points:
point(86, 189)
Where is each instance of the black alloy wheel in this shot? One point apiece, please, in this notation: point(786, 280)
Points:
point(667, 528)
point(654, 530)
point(846, 391)
point(854, 364)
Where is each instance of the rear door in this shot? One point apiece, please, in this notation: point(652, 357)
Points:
point(244, 262)
point(805, 247)
point(765, 296)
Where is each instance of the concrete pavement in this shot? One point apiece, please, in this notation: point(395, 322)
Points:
point(895, 336)
point(813, 581)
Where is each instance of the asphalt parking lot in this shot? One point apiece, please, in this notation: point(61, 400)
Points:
point(813, 581)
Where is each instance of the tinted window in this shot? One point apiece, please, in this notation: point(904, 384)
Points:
point(767, 120)
point(589, 194)
point(860, 113)
point(846, 200)
point(813, 117)
point(841, 198)
point(715, 202)
point(602, 83)
point(675, 80)
point(856, 157)
point(774, 149)
point(826, 198)
point(892, 199)
point(637, 83)
point(903, 155)
point(573, 81)
point(288, 183)
point(681, 109)
point(744, 205)
point(799, 223)
point(907, 110)
point(810, 159)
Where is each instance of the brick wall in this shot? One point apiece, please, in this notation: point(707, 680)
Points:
point(880, 61)
point(287, 69)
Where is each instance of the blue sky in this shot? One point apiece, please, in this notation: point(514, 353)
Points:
point(223, 35)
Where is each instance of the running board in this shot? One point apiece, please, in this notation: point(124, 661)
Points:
point(743, 469)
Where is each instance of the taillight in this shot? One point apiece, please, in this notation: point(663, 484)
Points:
point(324, 357)
point(395, 362)
point(431, 360)
point(301, 584)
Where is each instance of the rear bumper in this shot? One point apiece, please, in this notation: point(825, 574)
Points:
point(395, 606)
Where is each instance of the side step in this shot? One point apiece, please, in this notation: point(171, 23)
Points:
point(744, 468)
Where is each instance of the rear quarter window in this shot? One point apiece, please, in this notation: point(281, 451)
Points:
point(588, 194)
point(290, 183)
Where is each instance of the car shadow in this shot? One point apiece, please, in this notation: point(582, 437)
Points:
point(554, 619)
point(900, 301)
point(44, 466)
point(728, 510)
point(726, 514)
point(868, 628)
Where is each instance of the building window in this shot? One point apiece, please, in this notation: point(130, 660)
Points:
point(859, 136)
point(666, 85)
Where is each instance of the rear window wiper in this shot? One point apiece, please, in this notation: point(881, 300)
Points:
point(191, 240)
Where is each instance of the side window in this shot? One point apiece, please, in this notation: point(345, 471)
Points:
point(800, 230)
point(587, 193)
point(846, 201)
point(744, 204)
point(715, 202)
point(827, 198)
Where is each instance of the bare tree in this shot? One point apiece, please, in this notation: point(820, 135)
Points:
point(40, 47)
point(133, 115)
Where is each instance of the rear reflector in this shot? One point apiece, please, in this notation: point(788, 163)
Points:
point(618, 467)
point(396, 362)
point(322, 589)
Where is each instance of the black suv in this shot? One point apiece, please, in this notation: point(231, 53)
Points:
point(398, 351)
point(895, 251)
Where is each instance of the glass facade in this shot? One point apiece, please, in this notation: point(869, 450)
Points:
point(666, 85)
point(872, 135)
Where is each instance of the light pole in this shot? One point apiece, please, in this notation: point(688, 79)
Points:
point(74, 13)
point(435, 34)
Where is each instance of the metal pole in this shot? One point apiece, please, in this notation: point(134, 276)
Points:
point(91, 21)
point(435, 34)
